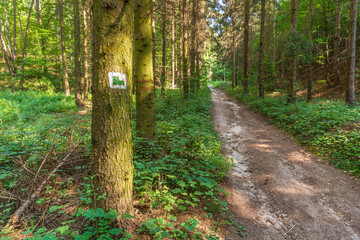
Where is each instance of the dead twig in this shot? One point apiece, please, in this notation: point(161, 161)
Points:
point(16, 216)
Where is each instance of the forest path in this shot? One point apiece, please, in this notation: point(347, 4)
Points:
point(278, 189)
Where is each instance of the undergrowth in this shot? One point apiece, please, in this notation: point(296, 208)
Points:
point(329, 128)
point(178, 173)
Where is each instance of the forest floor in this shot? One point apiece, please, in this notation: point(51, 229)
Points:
point(279, 190)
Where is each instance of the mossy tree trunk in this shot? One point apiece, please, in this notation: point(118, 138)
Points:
point(113, 22)
point(144, 77)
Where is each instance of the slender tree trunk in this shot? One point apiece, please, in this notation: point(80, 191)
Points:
point(184, 44)
point(153, 30)
point(193, 46)
point(273, 59)
point(25, 46)
point(310, 80)
point(337, 43)
point(246, 45)
point(112, 107)
point(15, 40)
point(294, 10)
point(163, 68)
point(145, 98)
point(42, 39)
point(77, 55)
point(5, 51)
point(326, 55)
point(11, 49)
point(350, 93)
point(85, 48)
point(180, 43)
point(261, 50)
point(173, 49)
point(63, 50)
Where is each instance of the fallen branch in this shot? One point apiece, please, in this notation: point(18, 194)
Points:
point(16, 216)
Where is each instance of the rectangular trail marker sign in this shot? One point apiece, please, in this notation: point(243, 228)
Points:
point(117, 80)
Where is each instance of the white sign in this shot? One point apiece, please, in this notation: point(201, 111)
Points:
point(117, 80)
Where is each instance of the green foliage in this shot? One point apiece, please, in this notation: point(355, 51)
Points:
point(320, 125)
point(193, 166)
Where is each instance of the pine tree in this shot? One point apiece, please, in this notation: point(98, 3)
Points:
point(113, 23)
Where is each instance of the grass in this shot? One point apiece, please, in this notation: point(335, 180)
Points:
point(328, 127)
point(178, 173)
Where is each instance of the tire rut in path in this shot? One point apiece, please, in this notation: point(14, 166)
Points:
point(278, 189)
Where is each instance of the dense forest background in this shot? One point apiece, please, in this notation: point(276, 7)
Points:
point(46, 45)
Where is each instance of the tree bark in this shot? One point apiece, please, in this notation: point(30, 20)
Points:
point(293, 29)
point(63, 50)
point(145, 98)
point(193, 46)
point(15, 40)
point(246, 45)
point(326, 55)
point(42, 39)
point(77, 55)
point(310, 80)
point(337, 43)
point(350, 93)
point(153, 29)
point(163, 67)
point(261, 50)
point(113, 23)
point(5, 51)
point(173, 42)
point(85, 50)
point(184, 44)
point(25, 46)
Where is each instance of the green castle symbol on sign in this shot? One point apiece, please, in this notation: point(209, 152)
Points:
point(117, 81)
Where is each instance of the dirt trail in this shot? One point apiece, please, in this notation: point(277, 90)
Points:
point(278, 189)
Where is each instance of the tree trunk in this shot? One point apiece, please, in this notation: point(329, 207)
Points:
point(42, 39)
point(246, 45)
point(193, 46)
point(350, 93)
point(326, 56)
point(85, 49)
point(77, 55)
point(153, 31)
point(145, 98)
point(163, 68)
point(180, 43)
point(15, 40)
point(337, 43)
point(173, 48)
point(310, 80)
point(5, 51)
point(11, 49)
point(261, 50)
point(273, 59)
point(112, 107)
point(185, 58)
point(25, 45)
point(63, 50)
point(294, 10)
